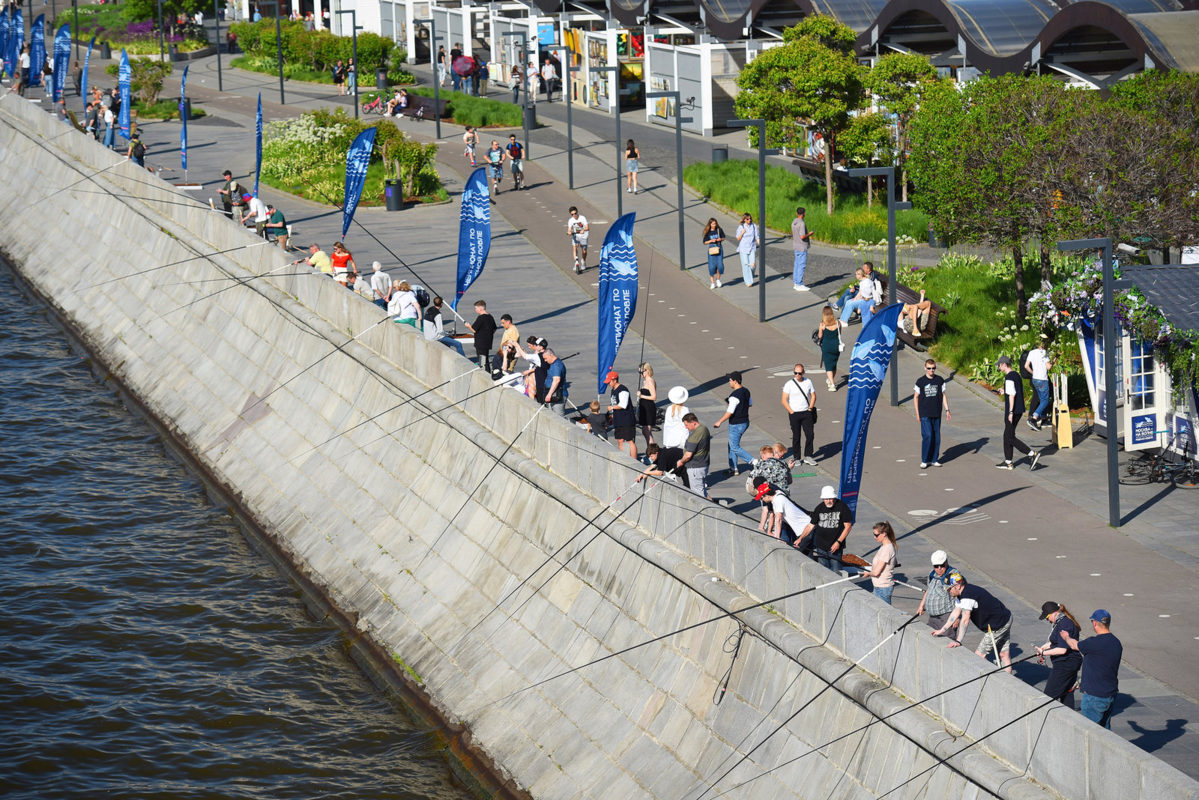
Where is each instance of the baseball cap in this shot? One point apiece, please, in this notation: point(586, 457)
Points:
point(954, 578)
point(940, 558)
point(611, 376)
point(1047, 608)
point(1102, 616)
point(1003, 360)
point(828, 493)
point(733, 376)
point(764, 489)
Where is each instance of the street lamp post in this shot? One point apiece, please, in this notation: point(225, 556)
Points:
point(161, 49)
point(354, 32)
point(763, 151)
point(1109, 369)
point(216, 17)
point(567, 69)
point(524, 83)
point(278, 44)
point(432, 23)
point(75, 31)
point(892, 207)
point(678, 162)
point(614, 93)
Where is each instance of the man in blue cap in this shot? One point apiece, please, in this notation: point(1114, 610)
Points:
point(1100, 669)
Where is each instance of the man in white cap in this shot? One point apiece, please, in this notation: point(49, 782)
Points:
point(936, 600)
point(828, 527)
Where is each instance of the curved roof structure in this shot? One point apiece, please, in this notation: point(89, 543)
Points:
point(1095, 41)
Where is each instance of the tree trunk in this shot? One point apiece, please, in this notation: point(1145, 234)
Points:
point(1046, 265)
point(869, 191)
point(1165, 255)
point(828, 172)
point(1021, 295)
point(903, 183)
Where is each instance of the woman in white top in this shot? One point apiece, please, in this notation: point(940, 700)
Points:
point(882, 568)
point(674, 432)
point(402, 305)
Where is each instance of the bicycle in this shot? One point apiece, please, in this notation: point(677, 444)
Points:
point(1161, 468)
point(374, 106)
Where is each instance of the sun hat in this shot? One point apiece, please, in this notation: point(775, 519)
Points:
point(828, 493)
point(677, 395)
point(940, 559)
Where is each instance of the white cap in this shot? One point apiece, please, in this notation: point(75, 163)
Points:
point(828, 493)
point(939, 558)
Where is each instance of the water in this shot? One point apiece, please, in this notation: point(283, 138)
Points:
point(147, 650)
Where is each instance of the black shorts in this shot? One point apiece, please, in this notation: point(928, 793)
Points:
point(625, 433)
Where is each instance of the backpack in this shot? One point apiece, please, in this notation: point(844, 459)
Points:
point(1023, 370)
point(422, 296)
point(139, 150)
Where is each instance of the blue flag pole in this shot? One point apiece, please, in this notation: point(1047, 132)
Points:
point(83, 89)
point(62, 59)
point(617, 293)
point(474, 233)
point(867, 368)
point(358, 158)
point(183, 119)
point(124, 74)
point(37, 51)
point(258, 145)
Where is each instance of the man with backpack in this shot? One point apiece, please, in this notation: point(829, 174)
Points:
point(231, 193)
point(1013, 409)
point(1034, 365)
point(137, 151)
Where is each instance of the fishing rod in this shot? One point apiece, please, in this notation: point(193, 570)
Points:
point(174, 263)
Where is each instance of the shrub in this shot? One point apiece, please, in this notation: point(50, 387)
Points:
point(479, 112)
point(146, 77)
point(310, 55)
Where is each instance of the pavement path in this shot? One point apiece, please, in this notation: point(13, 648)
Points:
point(1028, 536)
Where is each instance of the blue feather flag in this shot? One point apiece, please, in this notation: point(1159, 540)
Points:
point(83, 81)
point(358, 158)
point(124, 75)
point(617, 292)
point(867, 368)
point(5, 28)
point(258, 144)
point(474, 233)
point(37, 50)
point(183, 119)
point(62, 59)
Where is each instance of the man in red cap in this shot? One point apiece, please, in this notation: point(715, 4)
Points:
point(624, 414)
point(789, 519)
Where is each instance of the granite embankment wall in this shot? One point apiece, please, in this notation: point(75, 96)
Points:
point(471, 536)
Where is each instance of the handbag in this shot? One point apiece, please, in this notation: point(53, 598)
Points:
point(714, 250)
point(816, 336)
point(750, 488)
point(840, 341)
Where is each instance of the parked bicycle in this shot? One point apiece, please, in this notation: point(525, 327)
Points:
point(1163, 466)
point(374, 105)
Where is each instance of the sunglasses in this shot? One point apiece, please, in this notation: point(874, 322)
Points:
point(799, 373)
point(930, 369)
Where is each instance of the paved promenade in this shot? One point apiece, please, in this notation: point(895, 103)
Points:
point(1027, 536)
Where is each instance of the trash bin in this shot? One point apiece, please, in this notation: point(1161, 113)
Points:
point(173, 52)
point(380, 80)
point(393, 190)
point(932, 237)
point(105, 51)
point(187, 108)
point(530, 117)
point(720, 154)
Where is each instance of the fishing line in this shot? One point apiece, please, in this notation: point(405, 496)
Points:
point(645, 314)
point(684, 629)
point(828, 685)
point(875, 721)
point(238, 281)
point(174, 263)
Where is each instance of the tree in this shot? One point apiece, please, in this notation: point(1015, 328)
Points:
point(804, 80)
point(867, 141)
point(898, 81)
point(146, 77)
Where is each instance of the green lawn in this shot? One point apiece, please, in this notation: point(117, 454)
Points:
point(480, 112)
point(733, 186)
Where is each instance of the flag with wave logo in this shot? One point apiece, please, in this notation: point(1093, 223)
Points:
point(183, 119)
point(5, 28)
point(867, 368)
point(16, 40)
point(62, 59)
point(83, 81)
point(617, 292)
point(474, 233)
point(358, 158)
point(124, 75)
point(258, 146)
point(37, 50)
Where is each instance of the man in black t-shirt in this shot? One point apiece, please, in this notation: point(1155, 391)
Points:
point(930, 399)
point(1101, 656)
point(1013, 409)
point(828, 528)
point(663, 461)
point(737, 415)
point(975, 604)
point(484, 329)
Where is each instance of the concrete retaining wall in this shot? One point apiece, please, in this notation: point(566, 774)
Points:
point(371, 456)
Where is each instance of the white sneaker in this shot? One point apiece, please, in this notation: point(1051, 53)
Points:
point(711, 286)
point(802, 288)
point(718, 283)
point(811, 462)
point(923, 465)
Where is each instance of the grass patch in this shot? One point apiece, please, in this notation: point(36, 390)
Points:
point(326, 184)
point(404, 665)
point(163, 109)
point(292, 72)
point(733, 186)
point(480, 112)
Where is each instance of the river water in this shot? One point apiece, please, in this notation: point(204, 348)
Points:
point(148, 651)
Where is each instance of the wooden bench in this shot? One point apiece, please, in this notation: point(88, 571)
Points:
point(420, 107)
point(905, 294)
point(814, 170)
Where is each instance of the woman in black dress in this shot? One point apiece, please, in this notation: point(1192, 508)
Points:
point(647, 403)
point(1066, 662)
